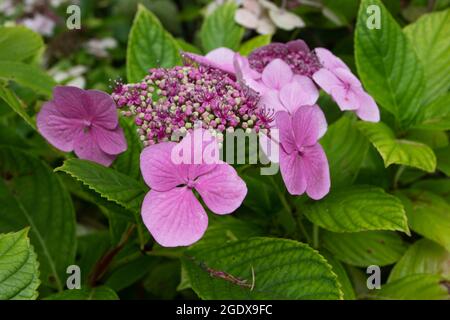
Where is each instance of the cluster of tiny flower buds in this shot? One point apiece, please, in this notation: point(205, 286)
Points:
point(169, 102)
point(296, 54)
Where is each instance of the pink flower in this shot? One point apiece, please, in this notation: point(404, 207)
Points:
point(303, 163)
point(336, 79)
point(282, 90)
point(171, 212)
point(220, 58)
point(84, 121)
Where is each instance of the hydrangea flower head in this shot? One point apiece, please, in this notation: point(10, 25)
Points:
point(83, 121)
point(171, 211)
point(169, 102)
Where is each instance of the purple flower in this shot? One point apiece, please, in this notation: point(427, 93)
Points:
point(83, 121)
point(336, 79)
point(303, 163)
point(171, 212)
point(220, 58)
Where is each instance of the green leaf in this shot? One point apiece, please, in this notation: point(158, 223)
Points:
point(149, 46)
point(388, 65)
point(127, 274)
point(339, 270)
point(398, 151)
point(91, 247)
point(346, 149)
point(98, 293)
point(443, 160)
point(163, 279)
point(429, 36)
point(436, 114)
point(187, 47)
point(109, 183)
point(19, 43)
point(254, 43)
point(276, 268)
point(128, 162)
point(414, 287)
point(31, 195)
point(16, 104)
point(424, 256)
point(438, 186)
point(29, 76)
point(428, 215)
point(19, 268)
point(358, 208)
point(220, 30)
point(365, 248)
point(224, 229)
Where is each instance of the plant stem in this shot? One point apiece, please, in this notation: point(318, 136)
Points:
point(397, 176)
point(315, 236)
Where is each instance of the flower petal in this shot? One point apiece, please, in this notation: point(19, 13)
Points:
point(347, 77)
point(277, 74)
point(316, 171)
point(286, 20)
point(158, 170)
point(287, 138)
point(174, 218)
point(345, 99)
point(326, 80)
point(222, 189)
point(222, 57)
point(270, 146)
point(329, 60)
point(270, 100)
point(102, 109)
point(86, 147)
point(306, 125)
point(71, 102)
point(110, 141)
point(301, 92)
point(291, 166)
point(368, 109)
point(246, 18)
point(56, 128)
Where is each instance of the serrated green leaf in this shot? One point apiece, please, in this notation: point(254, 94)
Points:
point(254, 43)
point(109, 183)
point(440, 187)
point(358, 208)
point(16, 104)
point(19, 43)
point(276, 268)
point(19, 268)
point(149, 46)
point(428, 215)
point(346, 149)
point(27, 75)
point(388, 65)
point(220, 30)
point(128, 162)
point(414, 287)
point(339, 270)
point(430, 38)
point(424, 256)
point(436, 114)
point(98, 293)
point(398, 151)
point(365, 248)
point(31, 195)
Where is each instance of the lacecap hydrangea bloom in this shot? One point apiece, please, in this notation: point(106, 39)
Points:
point(83, 121)
point(168, 102)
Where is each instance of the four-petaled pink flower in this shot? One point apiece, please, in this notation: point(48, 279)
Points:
point(83, 121)
point(336, 79)
point(303, 163)
point(171, 211)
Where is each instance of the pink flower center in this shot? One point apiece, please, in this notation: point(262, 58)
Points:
point(190, 184)
point(300, 151)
